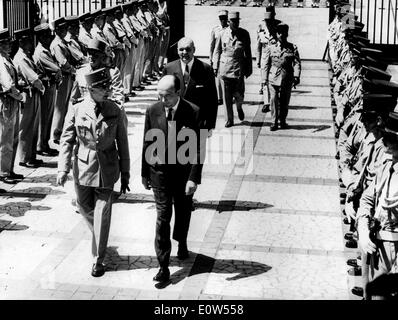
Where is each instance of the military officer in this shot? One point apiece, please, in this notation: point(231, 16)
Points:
point(10, 99)
point(215, 33)
point(51, 76)
point(98, 26)
point(265, 36)
point(96, 134)
point(282, 71)
point(72, 40)
point(29, 80)
point(378, 211)
point(232, 60)
point(59, 49)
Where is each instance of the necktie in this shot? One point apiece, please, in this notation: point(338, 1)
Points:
point(186, 75)
point(169, 114)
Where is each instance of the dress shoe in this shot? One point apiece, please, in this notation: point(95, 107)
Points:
point(3, 191)
point(260, 91)
point(355, 271)
point(137, 88)
point(265, 108)
point(283, 125)
point(8, 180)
point(47, 153)
point(182, 252)
point(98, 270)
point(349, 236)
point(352, 244)
point(358, 291)
point(273, 127)
point(352, 262)
point(28, 164)
point(229, 124)
point(163, 275)
point(16, 176)
point(241, 114)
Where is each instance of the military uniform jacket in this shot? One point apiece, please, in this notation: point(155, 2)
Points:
point(122, 33)
point(59, 49)
point(27, 70)
point(112, 36)
point(215, 33)
point(8, 83)
point(99, 34)
point(281, 64)
point(46, 63)
point(102, 149)
point(232, 54)
point(264, 39)
point(84, 37)
point(75, 49)
point(132, 33)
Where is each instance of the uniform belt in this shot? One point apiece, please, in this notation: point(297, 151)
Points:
point(387, 235)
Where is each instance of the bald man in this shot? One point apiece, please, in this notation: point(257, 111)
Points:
point(172, 177)
point(197, 82)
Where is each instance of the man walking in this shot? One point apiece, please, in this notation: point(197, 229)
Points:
point(282, 68)
point(96, 134)
point(172, 179)
point(196, 82)
point(232, 60)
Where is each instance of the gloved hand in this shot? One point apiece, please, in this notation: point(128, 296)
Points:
point(124, 182)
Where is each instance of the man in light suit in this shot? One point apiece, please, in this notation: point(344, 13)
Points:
point(172, 179)
point(282, 68)
point(197, 82)
point(232, 59)
point(95, 133)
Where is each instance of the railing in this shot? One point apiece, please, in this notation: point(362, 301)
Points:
point(380, 19)
point(15, 14)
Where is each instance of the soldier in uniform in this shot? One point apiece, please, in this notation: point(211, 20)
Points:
point(282, 71)
point(51, 76)
point(163, 14)
point(378, 211)
point(29, 80)
point(232, 60)
point(265, 36)
point(72, 40)
point(10, 99)
point(215, 33)
point(59, 49)
point(86, 24)
point(96, 135)
point(98, 26)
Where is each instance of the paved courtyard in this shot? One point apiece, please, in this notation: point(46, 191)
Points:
point(267, 223)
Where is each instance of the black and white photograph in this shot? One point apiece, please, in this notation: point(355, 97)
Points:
point(201, 150)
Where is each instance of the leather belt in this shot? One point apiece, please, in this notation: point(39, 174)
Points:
point(387, 235)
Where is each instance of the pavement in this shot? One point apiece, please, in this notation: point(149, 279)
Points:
point(267, 223)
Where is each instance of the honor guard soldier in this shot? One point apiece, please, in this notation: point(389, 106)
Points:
point(96, 135)
point(215, 33)
point(232, 60)
point(29, 81)
point(115, 42)
point(10, 100)
point(163, 14)
point(378, 213)
point(86, 24)
point(98, 26)
point(59, 49)
point(282, 72)
point(51, 76)
point(72, 39)
point(266, 36)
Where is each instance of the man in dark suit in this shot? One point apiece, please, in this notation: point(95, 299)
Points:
point(171, 174)
point(197, 82)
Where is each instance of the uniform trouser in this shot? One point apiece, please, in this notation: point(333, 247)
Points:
point(164, 47)
point(155, 61)
point(219, 88)
point(232, 88)
point(47, 111)
point(61, 106)
point(28, 127)
point(95, 205)
point(164, 198)
point(9, 124)
point(144, 49)
point(147, 60)
point(279, 102)
point(387, 262)
point(266, 94)
point(128, 71)
point(137, 75)
point(119, 59)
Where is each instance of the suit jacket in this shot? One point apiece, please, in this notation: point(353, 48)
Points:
point(102, 149)
point(282, 64)
point(155, 165)
point(201, 89)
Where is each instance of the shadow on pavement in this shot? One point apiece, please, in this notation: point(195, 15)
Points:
point(316, 128)
point(302, 108)
point(196, 264)
point(18, 209)
point(6, 225)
